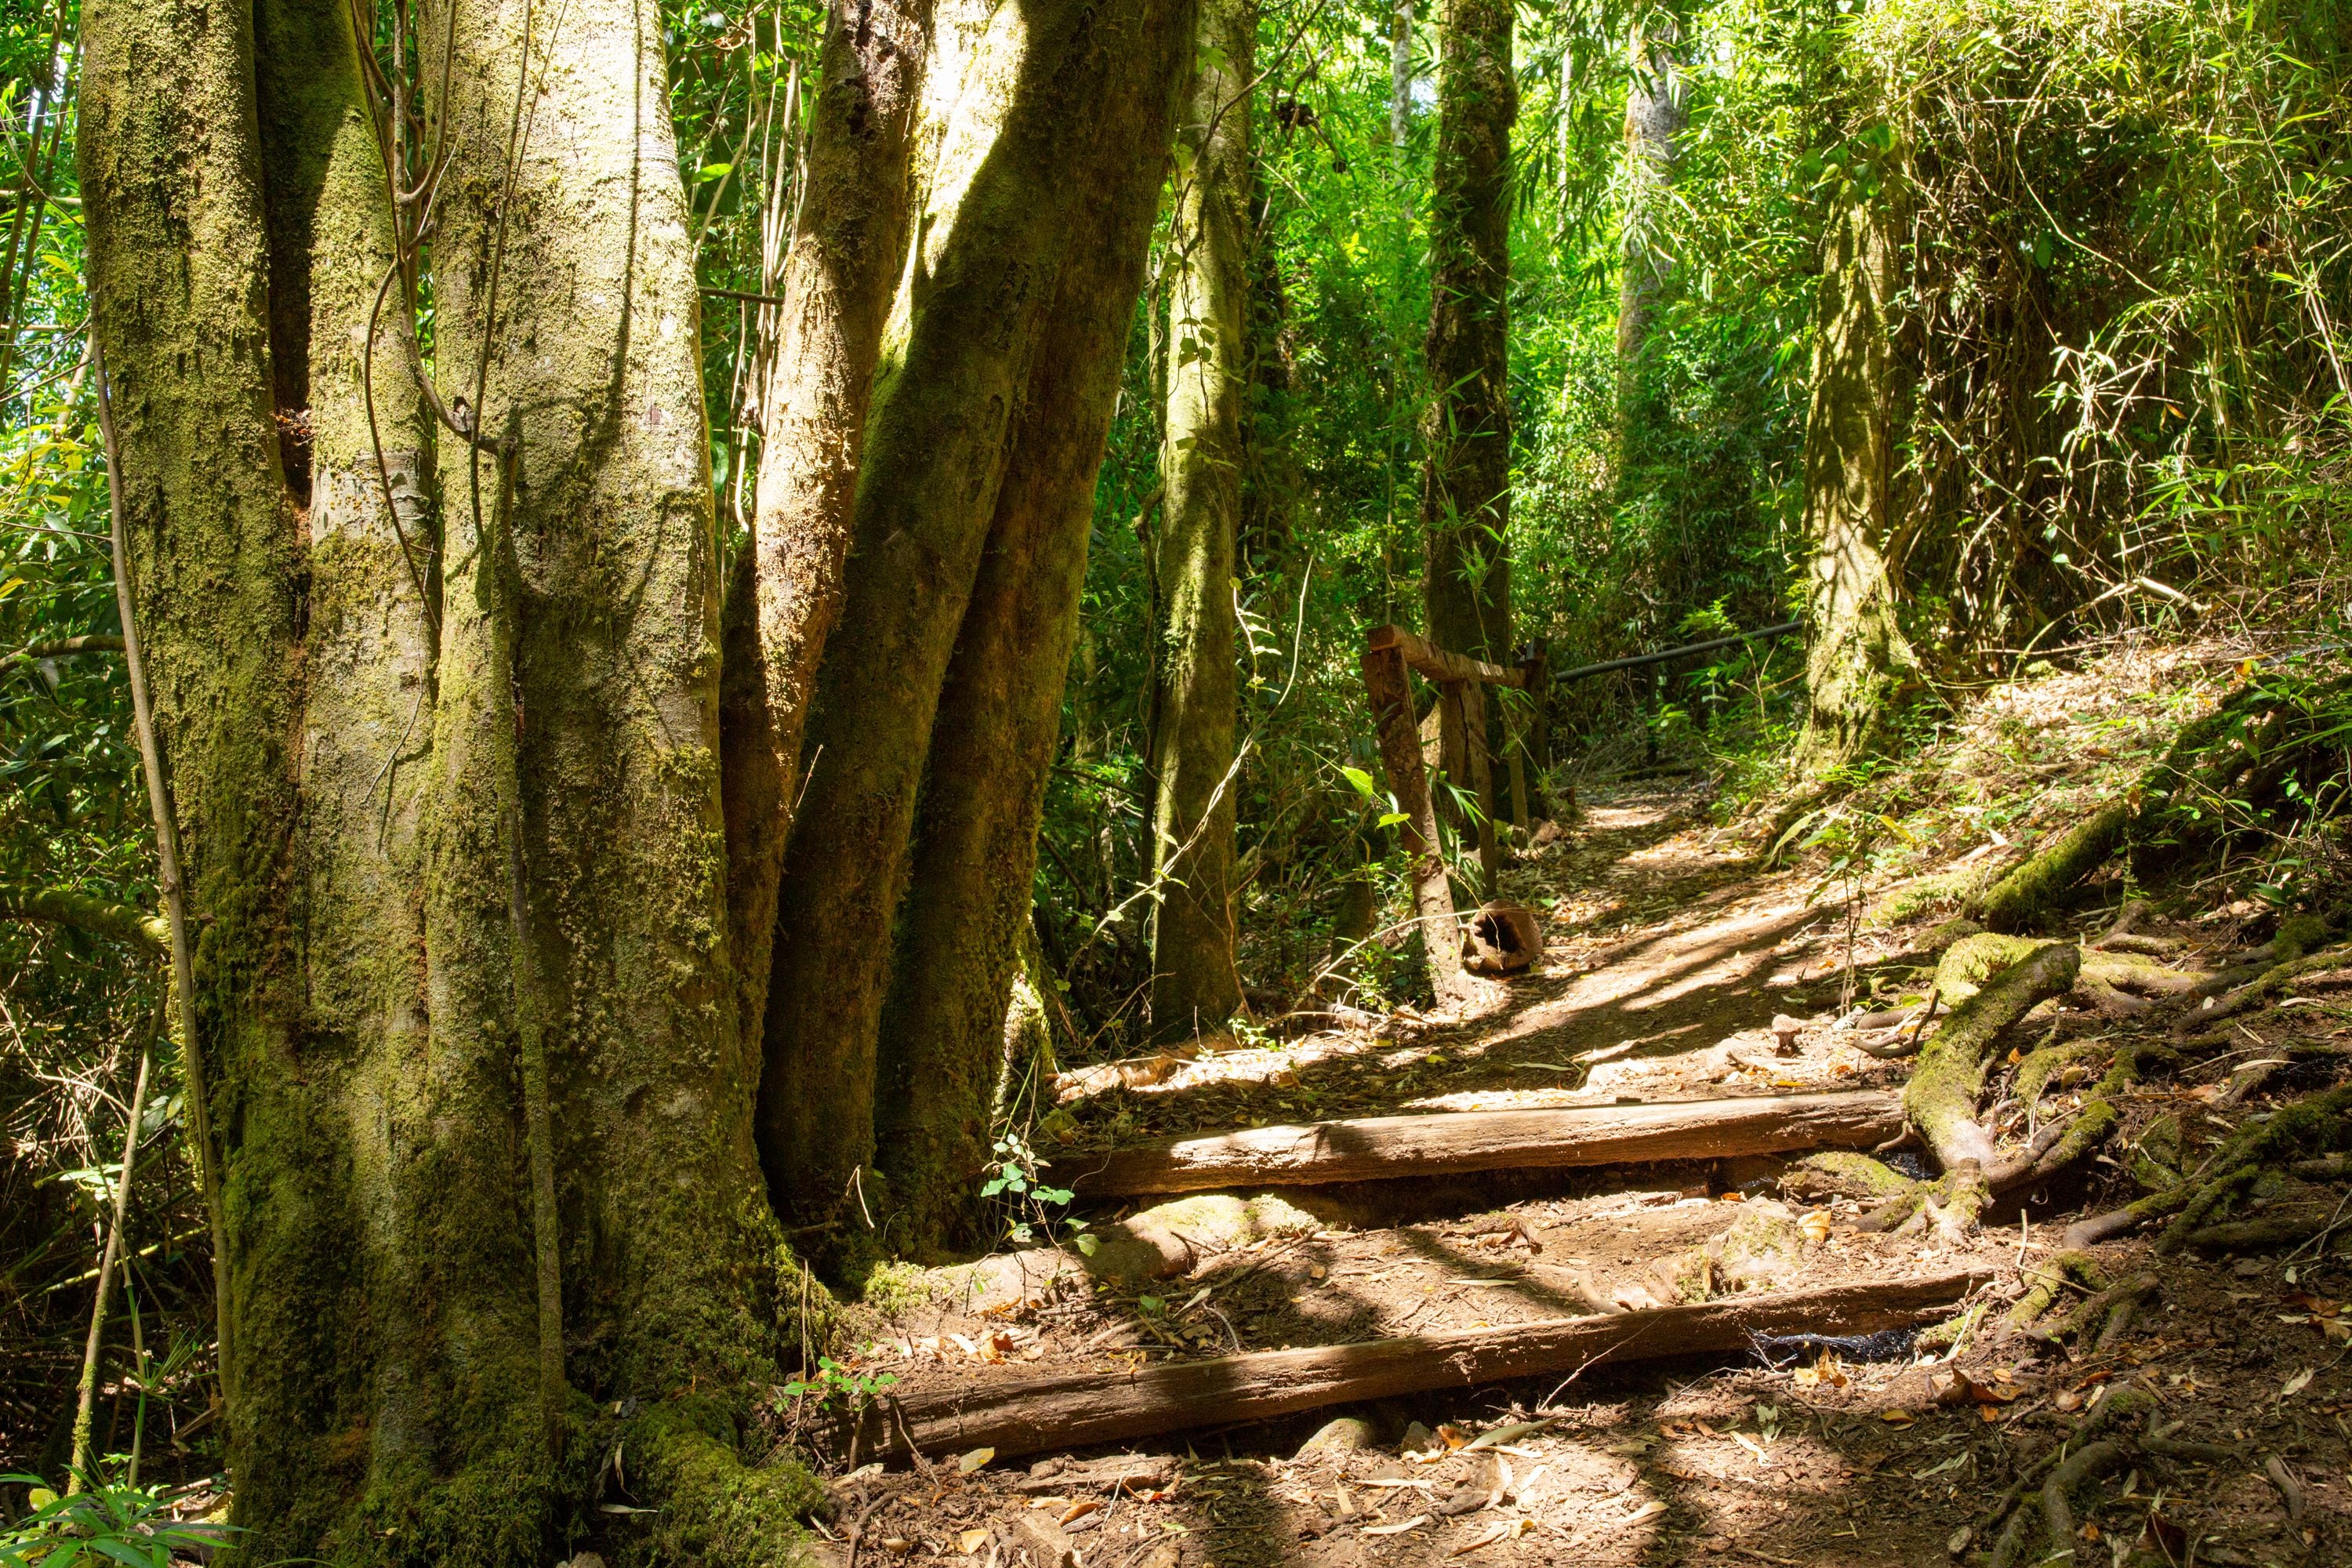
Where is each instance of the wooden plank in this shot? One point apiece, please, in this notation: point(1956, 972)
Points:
point(1465, 1141)
point(1438, 664)
point(1017, 1414)
point(1433, 898)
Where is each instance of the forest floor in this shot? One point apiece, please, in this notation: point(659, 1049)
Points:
point(1671, 949)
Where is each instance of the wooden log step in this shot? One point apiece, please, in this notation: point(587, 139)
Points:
point(1463, 1141)
point(1030, 1414)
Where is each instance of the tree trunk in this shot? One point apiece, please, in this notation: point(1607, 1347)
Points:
point(1859, 660)
point(966, 913)
point(432, 1275)
point(848, 248)
point(1466, 429)
point(1655, 113)
point(1400, 77)
point(1195, 985)
point(1007, 202)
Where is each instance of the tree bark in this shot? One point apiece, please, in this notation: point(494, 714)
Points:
point(1465, 488)
point(848, 248)
point(1655, 113)
point(966, 913)
point(1002, 212)
point(1858, 661)
point(370, 818)
point(1195, 985)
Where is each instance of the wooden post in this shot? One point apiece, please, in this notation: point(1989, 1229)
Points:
point(1433, 900)
point(1482, 786)
point(1515, 725)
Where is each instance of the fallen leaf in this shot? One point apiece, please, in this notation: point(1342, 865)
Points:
point(1497, 1436)
point(1897, 1418)
point(1080, 1509)
point(1649, 1510)
point(1453, 1436)
point(2296, 1385)
point(1415, 1522)
point(1494, 1533)
point(970, 1541)
point(974, 1460)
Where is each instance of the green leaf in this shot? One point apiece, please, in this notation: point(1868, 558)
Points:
point(1390, 819)
point(1360, 778)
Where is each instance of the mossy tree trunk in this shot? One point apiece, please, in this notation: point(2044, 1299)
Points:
point(1467, 427)
point(1858, 661)
point(1195, 985)
point(848, 246)
point(999, 239)
point(485, 1203)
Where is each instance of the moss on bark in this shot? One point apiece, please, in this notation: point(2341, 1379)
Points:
point(1858, 661)
point(2021, 900)
point(1467, 430)
point(1195, 986)
point(999, 220)
point(966, 908)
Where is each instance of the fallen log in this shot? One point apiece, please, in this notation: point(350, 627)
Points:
point(1027, 1415)
point(1466, 1140)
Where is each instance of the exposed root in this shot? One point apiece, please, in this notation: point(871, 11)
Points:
point(2313, 1121)
point(2057, 1474)
point(2264, 986)
point(2020, 899)
point(2044, 1284)
point(1941, 1099)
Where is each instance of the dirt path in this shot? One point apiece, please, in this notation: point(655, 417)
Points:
point(1667, 960)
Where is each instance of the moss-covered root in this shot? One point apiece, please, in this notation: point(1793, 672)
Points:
point(714, 1510)
point(2019, 901)
point(1969, 963)
point(2063, 1469)
point(2044, 1283)
point(2264, 986)
point(1941, 1099)
point(2315, 1124)
point(1843, 1174)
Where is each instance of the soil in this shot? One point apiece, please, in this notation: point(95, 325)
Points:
point(1669, 957)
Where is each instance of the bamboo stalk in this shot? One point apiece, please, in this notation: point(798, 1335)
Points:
point(109, 1256)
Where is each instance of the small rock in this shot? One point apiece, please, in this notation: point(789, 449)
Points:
point(2247, 1267)
point(1418, 1438)
point(1346, 1435)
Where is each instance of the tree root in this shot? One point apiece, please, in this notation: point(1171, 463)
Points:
point(2021, 898)
point(2314, 1119)
point(2044, 1283)
point(1941, 1099)
point(2064, 1468)
point(2262, 986)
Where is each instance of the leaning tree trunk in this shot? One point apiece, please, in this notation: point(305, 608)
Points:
point(849, 242)
point(1400, 79)
point(1006, 208)
point(448, 793)
point(1195, 985)
point(1859, 661)
point(1655, 113)
point(966, 916)
point(1466, 486)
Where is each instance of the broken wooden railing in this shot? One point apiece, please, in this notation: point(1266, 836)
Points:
point(1461, 682)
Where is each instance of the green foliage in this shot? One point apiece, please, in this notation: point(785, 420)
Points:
point(134, 1527)
point(837, 1386)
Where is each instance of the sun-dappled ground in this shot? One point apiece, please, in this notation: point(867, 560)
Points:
point(1675, 944)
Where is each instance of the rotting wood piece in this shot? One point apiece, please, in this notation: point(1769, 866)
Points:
point(1027, 1415)
point(1465, 1141)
